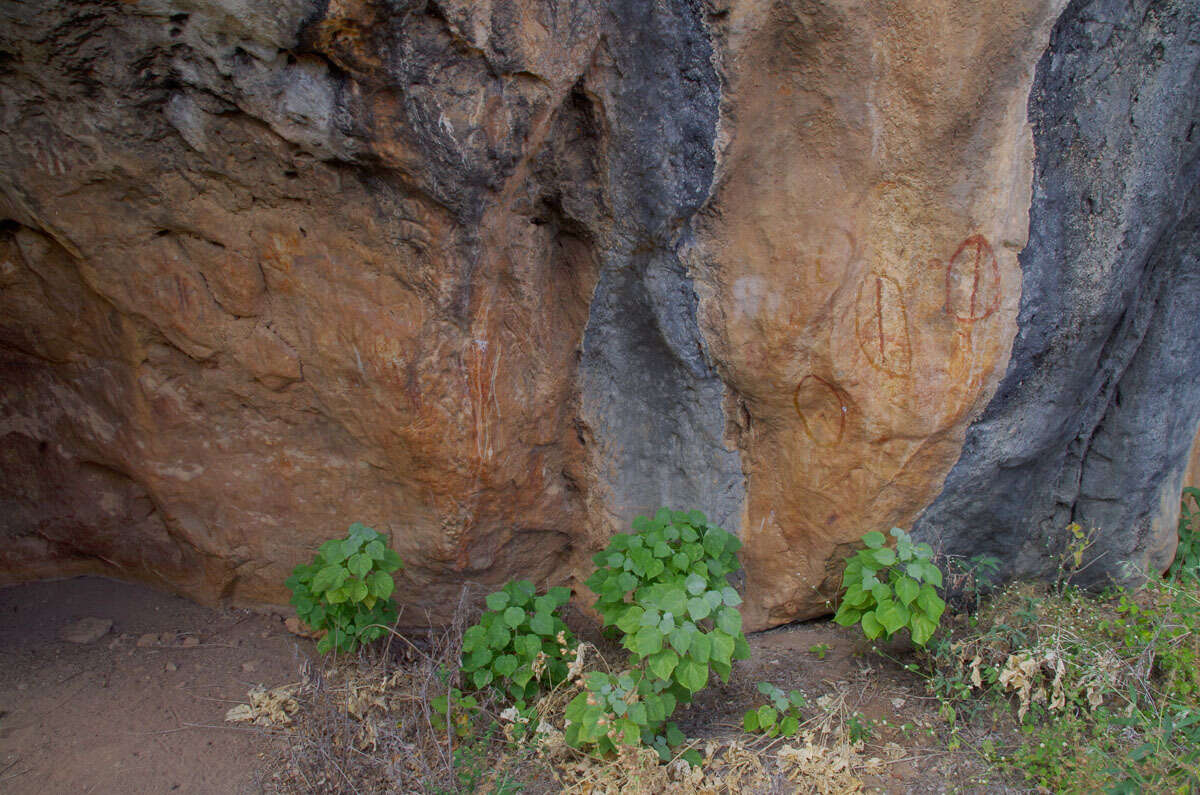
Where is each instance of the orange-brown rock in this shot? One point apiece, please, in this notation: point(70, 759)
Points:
point(235, 321)
point(862, 290)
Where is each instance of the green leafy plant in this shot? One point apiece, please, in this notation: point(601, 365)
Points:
point(780, 717)
point(346, 590)
point(454, 711)
point(859, 728)
point(890, 589)
point(1186, 565)
point(665, 590)
point(520, 644)
point(1070, 560)
point(819, 649)
point(627, 708)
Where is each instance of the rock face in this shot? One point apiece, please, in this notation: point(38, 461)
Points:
point(1094, 420)
point(494, 277)
point(272, 269)
point(862, 282)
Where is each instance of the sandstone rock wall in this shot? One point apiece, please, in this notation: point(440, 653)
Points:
point(862, 288)
point(494, 277)
point(272, 268)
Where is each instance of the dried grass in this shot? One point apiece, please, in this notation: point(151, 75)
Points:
point(365, 723)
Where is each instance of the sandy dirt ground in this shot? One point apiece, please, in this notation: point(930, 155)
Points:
point(141, 708)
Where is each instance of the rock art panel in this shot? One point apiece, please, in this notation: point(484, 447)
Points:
point(972, 281)
point(822, 410)
point(494, 277)
point(882, 185)
point(268, 311)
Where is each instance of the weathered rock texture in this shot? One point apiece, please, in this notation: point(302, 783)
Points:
point(862, 289)
point(273, 268)
point(494, 277)
point(1096, 415)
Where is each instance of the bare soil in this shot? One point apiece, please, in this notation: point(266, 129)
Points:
point(131, 713)
point(819, 658)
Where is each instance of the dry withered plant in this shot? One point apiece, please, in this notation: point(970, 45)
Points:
point(366, 722)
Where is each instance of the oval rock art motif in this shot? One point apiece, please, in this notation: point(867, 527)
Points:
point(822, 410)
point(973, 281)
point(881, 325)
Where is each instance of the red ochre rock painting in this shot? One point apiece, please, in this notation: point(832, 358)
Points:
point(881, 325)
point(973, 281)
point(822, 410)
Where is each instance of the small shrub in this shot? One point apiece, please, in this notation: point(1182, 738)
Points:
point(1186, 565)
point(888, 589)
point(665, 590)
point(346, 590)
point(779, 717)
point(520, 644)
point(454, 711)
point(627, 708)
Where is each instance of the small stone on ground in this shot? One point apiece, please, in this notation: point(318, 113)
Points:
point(86, 630)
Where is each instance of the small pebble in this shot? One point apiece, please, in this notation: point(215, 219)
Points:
point(190, 642)
point(172, 667)
point(149, 639)
point(86, 630)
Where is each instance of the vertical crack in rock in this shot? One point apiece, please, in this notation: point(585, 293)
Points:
point(650, 394)
point(1101, 400)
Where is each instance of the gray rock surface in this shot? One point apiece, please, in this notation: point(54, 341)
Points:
point(1098, 409)
point(649, 391)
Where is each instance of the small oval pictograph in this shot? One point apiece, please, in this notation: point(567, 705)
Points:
point(881, 324)
point(973, 281)
point(822, 409)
